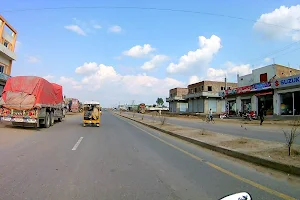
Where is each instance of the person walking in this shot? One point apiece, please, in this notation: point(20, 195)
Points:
point(262, 114)
point(210, 115)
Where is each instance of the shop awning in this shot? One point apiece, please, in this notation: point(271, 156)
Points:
point(263, 93)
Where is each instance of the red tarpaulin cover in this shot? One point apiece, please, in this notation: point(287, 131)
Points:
point(26, 92)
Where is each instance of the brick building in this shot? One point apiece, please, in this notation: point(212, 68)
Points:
point(205, 95)
point(177, 103)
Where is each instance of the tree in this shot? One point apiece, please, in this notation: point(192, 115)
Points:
point(291, 135)
point(159, 101)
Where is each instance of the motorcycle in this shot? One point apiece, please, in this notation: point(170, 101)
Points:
point(238, 196)
point(224, 115)
point(250, 115)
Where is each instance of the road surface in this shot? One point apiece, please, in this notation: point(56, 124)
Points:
point(257, 132)
point(123, 160)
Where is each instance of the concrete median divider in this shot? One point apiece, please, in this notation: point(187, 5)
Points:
point(290, 169)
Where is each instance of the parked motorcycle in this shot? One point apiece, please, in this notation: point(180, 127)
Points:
point(224, 115)
point(250, 115)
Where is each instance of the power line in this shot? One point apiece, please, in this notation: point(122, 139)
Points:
point(276, 51)
point(146, 8)
point(288, 52)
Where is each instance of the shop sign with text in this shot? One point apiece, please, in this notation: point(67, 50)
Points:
point(249, 88)
point(261, 86)
point(287, 82)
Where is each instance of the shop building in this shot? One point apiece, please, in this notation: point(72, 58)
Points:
point(287, 95)
point(256, 89)
point(8, 36)
point(205, 95)
point(177, 104)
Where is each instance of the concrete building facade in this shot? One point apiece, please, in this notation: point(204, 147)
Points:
point(177, 103)
point(205, 95)
point(8, 37)
point(255, 90)
point(287, 95)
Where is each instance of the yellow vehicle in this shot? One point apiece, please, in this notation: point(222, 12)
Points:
point(91, 113)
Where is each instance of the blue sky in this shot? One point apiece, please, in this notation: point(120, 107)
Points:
point(54, 43)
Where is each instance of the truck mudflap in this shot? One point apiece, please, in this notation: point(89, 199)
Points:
point(20, 120)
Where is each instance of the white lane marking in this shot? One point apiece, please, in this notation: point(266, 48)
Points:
point(77, 144)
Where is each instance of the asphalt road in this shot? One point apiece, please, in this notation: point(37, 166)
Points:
point(257, 132)
point(123, 160)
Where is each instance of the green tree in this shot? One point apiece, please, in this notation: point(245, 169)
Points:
point(159, 101)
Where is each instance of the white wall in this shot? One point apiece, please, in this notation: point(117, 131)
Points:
point(254, 77)
point(270, 70)
point(238, 104)
point(245, 80)
point(276, 103)
point(3, 59)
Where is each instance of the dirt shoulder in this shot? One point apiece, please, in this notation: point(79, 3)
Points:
point(272, 151)
point(267, 123)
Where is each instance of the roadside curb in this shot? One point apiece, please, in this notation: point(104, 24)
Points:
point(245, 157)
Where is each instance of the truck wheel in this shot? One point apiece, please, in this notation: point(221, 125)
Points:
point(59, 120)
point(47, 120)
point(51, 118)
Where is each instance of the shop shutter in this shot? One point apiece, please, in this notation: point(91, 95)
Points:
point(212, 104)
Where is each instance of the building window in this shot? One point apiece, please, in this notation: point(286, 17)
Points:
point(1, 69)
point(288, 103)
point(5, 43)
point(222, 88)
point(202, 88)
point(228, 88)
point(209, 88)
point(195, 90)
point(264, 77)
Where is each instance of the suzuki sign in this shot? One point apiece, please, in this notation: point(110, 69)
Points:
point(287, 82)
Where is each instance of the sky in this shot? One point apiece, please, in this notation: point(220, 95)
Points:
point(119, 55)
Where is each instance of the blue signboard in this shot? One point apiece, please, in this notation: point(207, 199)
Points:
point(260, 86)
point(287, 82)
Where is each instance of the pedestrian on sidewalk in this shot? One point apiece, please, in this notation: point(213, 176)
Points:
point(210, 114)
point(261, 114)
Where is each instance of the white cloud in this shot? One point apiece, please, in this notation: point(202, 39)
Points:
point(32, 59)
point(49, 78)
point(139, 51)
point(87, 68)
point(18, 46)
point(155, 62)
point(115, 29)
point(107, 84)
point(241, 69)
point(199, 59)
point(267, 60)
point(194, 79)
point(83, 27)
point(76, 29)
point(287, 20)
point(95, 24)
point(70, 83)
point(229, 70)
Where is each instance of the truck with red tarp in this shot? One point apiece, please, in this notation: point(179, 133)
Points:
point(31, 100)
